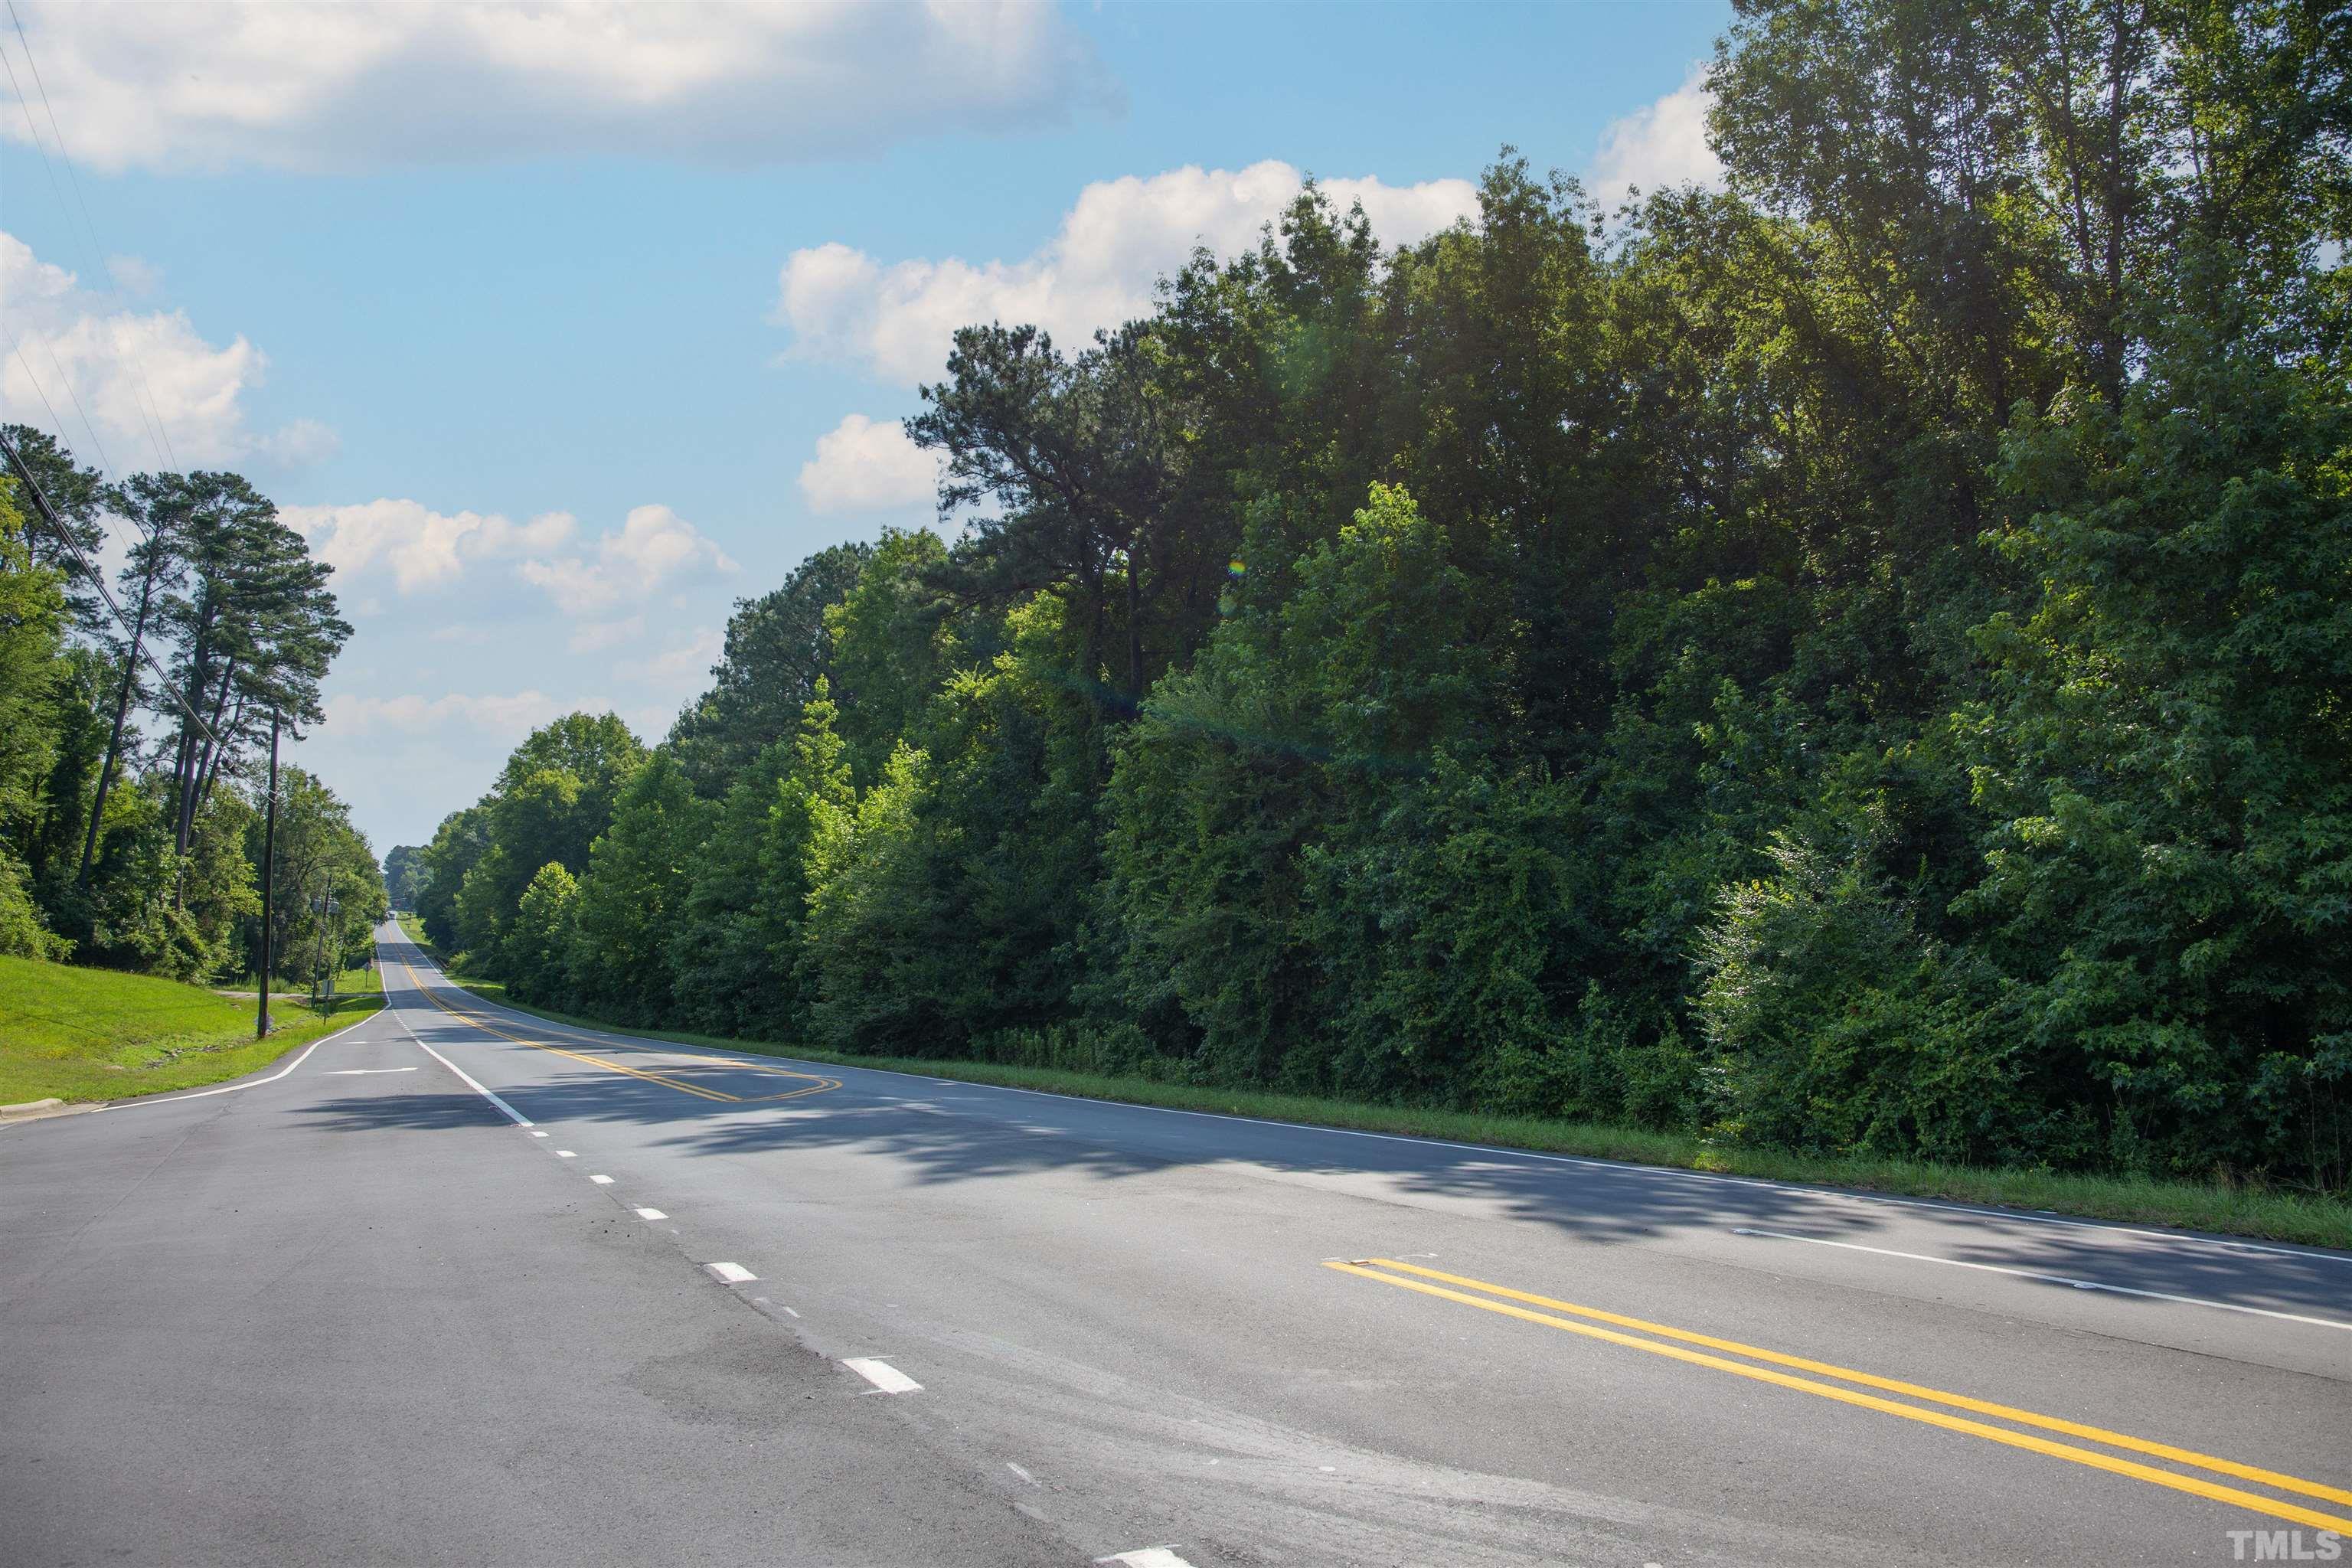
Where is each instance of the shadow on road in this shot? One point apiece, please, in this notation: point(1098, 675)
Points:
point(971, 1132)
point(403, 1111)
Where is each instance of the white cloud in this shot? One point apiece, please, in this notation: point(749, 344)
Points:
point(1098, 270)
point(299, 444)
point(421, 548)
point(1660, 144)
point(83, 364)
point(653, 547)
point(358, 86)
point(350, 718)
point(865, 465)
point(134, 275)
point(594, 637)
point(688, 660)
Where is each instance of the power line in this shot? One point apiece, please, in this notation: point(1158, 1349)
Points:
point(107, 468)
point(16, 347)
point(97, 578)
point(149, 413)
point(35, 382)
point(104, 462)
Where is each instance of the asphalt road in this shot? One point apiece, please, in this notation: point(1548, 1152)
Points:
point(446, 1289)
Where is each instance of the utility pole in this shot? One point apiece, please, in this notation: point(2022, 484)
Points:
point(268, 864)
point(319, 959)
point(323, 981)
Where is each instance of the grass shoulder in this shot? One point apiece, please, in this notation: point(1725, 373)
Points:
point(2223, 1210)
point(363, 980)
point(82, 1034)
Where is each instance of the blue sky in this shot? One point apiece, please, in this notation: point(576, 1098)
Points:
point(561, 330)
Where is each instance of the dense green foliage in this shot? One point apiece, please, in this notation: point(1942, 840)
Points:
point(1856, 664)
point(130, 836)
point(402, 875)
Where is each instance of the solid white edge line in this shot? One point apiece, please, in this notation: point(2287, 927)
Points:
point(519, 1118)
point(1671, 1173)
point(882, 1375)
point(257, 1083)
point(2046, 1278)
point(730, 1273)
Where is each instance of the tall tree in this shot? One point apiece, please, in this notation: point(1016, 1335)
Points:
point(162, 509)
point(1083, 456)
point(403, 874)
point(639, 871)
point(257, 631)
point(555, 795)
point(458, 843)
point(777, 650)
point(77, 496)
point(32, 624)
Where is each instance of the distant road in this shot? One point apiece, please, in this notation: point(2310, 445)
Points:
point(462, 1286)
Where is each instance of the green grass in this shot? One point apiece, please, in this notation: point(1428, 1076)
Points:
point(94, 1033)
point(2271, 1214)
point(363, 981)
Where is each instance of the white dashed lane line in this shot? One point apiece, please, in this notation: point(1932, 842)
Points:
point(602, 1181)
point(730, 1273)
point(565, 1154)
point(651, 1214)
point(1148, 1557)
point(883, 1376)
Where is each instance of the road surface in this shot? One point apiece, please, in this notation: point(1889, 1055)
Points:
point(462, 1286)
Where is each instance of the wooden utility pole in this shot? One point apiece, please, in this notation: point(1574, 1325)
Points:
point(323, 977)
point(268, 864)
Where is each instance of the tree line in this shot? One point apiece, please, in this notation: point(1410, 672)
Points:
point(135, 727)
point(1858, 662)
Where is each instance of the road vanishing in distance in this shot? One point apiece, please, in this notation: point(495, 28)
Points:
point(460, 1285)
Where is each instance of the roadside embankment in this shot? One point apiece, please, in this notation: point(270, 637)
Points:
point(80, 1034)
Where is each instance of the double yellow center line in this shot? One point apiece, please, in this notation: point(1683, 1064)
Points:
point(1667, 1341)
point(815, 1085)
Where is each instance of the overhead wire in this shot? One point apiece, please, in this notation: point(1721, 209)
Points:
point(105, 463)
point(157, 430)
point(97, 578)
point(107, 469)
point(92, 251)
point(144, 396)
